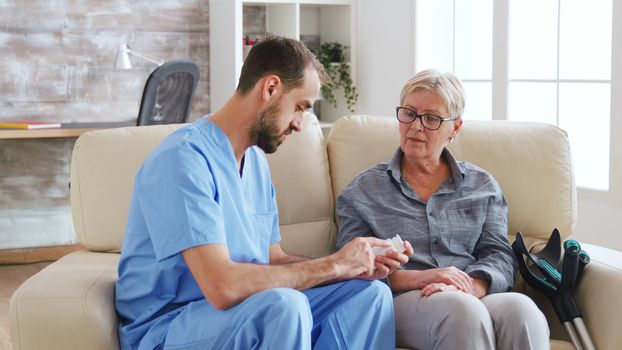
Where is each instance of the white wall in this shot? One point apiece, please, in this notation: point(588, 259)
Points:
point(385, 46)
point(386, 60)
point(599, 223)
point(600, 213)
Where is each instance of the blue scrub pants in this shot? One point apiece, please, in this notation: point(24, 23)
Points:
point(355, 314)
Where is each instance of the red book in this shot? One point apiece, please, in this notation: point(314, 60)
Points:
point(28, 125)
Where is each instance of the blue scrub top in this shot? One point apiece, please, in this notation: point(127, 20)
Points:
point(188, 193)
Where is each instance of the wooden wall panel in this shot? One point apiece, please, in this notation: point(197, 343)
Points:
point(33, 16)
point(79, 112)
point(193, 46)
point(56, 64)
point(154, 16)
point(33, 48)
point(29, 110)
point(24, 82)
point(62, 52)
point(101, 85)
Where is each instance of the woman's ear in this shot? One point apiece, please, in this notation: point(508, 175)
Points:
point(457, 125)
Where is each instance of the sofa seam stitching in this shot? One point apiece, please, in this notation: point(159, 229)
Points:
point(308, 221)
point(84, 304)
point(83, 219)
point(19, 329)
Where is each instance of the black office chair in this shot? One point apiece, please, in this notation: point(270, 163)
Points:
point(167, 98)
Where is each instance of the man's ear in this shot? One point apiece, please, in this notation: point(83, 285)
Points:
point(271, 87)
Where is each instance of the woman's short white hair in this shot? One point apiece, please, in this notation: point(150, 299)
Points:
point(446, 85)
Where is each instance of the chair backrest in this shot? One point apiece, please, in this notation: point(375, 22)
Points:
point(167, 97)
point(531, 162)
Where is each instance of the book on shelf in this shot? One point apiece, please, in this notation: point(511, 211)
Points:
point(28, 125)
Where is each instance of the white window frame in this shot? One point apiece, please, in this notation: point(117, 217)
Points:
point(501, 81)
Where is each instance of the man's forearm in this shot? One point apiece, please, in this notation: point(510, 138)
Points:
point(244, 279)
point(225, 283)
point(289, 259)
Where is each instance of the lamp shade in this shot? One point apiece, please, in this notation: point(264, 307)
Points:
point(123, 57)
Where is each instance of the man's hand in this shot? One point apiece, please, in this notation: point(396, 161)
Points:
point(356, 258)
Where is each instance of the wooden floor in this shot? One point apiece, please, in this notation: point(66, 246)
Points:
point(37, 254)
point(11, 276)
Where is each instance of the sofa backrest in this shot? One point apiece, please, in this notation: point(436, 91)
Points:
point(301, 179)
point(531, 162)
point(104, 164)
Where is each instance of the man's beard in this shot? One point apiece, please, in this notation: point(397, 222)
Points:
point(266, 132)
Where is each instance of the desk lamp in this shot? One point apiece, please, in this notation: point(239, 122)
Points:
point(123, 58)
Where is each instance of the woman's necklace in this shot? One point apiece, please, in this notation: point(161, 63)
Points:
point(430, 183)
point(406, 174)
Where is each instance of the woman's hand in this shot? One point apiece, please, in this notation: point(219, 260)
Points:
point(480, 288)
point(449, 276)
point(436, 287)
point(393, 260)
point(387, 264)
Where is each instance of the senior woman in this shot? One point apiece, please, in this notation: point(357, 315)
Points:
point(453, 292)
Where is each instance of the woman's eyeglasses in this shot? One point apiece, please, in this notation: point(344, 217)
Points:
point(429, 121)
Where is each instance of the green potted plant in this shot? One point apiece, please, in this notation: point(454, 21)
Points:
point(331, 56)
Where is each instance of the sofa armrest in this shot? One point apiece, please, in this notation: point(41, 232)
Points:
point(67, 305)
point(598, 296)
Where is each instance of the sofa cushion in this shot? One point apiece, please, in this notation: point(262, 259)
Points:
point(301, 179)
point(103, 166)
point(531, 162)
point(67, 305)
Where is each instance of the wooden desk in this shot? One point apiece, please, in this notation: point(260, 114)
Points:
point(66, 130)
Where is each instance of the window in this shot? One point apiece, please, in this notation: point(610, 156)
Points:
point(456, 36)
point(557, 57)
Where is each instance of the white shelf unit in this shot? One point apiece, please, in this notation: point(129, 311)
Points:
point(331, 20)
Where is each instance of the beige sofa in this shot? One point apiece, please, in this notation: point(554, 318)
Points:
point(69, 305)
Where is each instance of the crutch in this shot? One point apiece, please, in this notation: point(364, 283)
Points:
point(573, 264)
point(558, 287)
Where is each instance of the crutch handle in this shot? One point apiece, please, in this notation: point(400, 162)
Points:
point(573, 246)
point(584, 259)
point(570, 265)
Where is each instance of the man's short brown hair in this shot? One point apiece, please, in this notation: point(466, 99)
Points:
point(284, 57)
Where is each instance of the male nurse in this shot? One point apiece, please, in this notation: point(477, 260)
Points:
point(201, 264)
